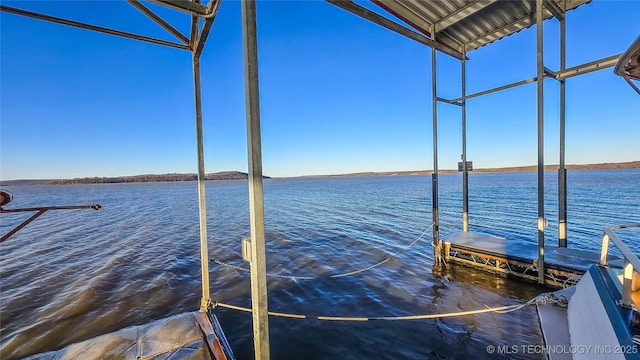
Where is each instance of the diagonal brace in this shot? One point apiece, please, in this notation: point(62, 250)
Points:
point(160, 21)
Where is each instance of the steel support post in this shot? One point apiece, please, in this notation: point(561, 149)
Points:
point(202, 203)
point(465, 173)
point(256, 196)
point(540, 83)
point(562, 171)
point(434, 176)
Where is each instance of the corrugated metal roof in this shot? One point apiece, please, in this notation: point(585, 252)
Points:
point(466, 25)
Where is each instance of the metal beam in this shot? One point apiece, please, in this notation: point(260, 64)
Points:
point(540, 88)
point(202, 202)
point(81, 25)
point(499, 88)
point(40, 211)
point(202, 38)
point(460, 14)
point(558, 75)
point(588, 67)
point(548, 72)
point(409, 12)
point(160, 21)
point(465, 172)
point(554, 9)
point(191, 7)
point(193, 33)
point(634, 86)
point(206, 28)
point(434, 177)
point(449, 101)
point(395, 27)
point(562, 171)
point(205, 301)
point(256, 197)
point(47, 208)
point(22, 225)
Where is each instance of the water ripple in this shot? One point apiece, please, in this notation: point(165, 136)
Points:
point(72, 275)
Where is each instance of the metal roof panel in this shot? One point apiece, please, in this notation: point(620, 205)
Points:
point(469, 24)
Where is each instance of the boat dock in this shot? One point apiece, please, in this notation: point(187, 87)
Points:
point(562, 266)
point(447, 28)
point(193, 335)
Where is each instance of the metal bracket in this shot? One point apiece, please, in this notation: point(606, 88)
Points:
point(246, 249)
point(550, 73)
point(631, 306)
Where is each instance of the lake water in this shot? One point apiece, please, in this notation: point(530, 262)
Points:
point(72, 275)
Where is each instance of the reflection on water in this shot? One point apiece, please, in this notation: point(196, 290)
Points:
point(73, 275)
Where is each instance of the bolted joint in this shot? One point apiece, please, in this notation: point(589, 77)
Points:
point(205, 304)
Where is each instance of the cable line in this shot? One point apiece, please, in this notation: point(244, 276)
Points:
point(545, 298)
point(240, 268)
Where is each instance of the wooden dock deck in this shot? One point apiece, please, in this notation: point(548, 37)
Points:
point(191, 335)
point(498, 255)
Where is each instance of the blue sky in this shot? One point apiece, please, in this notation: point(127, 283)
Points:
point(339, 94)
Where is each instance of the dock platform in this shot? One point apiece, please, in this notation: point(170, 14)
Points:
point(497, 255)
point(193, 335)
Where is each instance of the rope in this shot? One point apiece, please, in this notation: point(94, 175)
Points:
point(541, 299)
point(573, 280)
point(334, 275)
point(545, 298)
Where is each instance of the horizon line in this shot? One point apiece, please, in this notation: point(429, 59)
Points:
point(520, 168)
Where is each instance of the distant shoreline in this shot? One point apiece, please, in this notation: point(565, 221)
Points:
point(530, 168)
point(173, 177)
point(237, 175)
